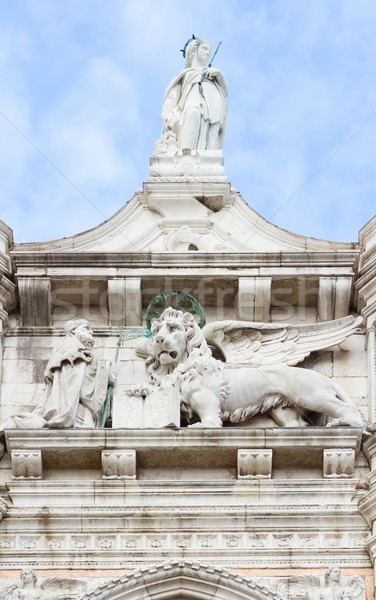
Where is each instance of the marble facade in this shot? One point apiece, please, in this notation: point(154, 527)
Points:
point(151, 507)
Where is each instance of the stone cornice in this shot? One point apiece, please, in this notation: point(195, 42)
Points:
point(185, 438)
point(234, 260)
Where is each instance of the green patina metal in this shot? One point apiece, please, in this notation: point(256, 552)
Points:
point(178, 300)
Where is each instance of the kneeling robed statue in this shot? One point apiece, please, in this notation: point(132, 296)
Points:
point(257, 377)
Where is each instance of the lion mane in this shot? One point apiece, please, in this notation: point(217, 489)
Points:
point(198, 359)
point(195, 341)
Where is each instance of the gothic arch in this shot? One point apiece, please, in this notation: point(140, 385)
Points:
point(181, 580)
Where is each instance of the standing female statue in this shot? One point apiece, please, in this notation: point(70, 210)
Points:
point(195, 109)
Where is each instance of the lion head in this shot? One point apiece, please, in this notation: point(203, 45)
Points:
point(175, 336)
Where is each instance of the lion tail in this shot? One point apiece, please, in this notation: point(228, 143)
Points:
point(264, 406)
point(340, 393)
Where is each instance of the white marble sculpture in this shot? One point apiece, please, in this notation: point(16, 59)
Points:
point(29, 587)
point(195, 109)
point(331, 586)
point(259, 380)
point(76, 384)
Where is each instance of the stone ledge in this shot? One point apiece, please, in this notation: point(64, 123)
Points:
point(225, 438)
point(156, 494)
point(334, 260)
point(130, 559)
point(184, 450)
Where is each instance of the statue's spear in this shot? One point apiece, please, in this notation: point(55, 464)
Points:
point(214, 55)
point(129, 334)
point(209, 65)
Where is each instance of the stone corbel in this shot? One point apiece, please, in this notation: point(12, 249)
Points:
point(254, 464)
point(339, 463)
point(35, 301)
point(119, 464)
point(26, 464)
point(253, 298)
point(334, 297)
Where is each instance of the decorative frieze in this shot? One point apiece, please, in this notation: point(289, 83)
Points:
point(195, 541)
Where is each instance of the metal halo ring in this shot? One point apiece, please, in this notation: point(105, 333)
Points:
point(180, 297)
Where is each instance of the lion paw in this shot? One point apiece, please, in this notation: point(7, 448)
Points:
point(141, 390)
point(207, 424)
point(337, 423)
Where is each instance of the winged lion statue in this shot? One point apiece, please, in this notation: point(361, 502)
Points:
point(256, 376)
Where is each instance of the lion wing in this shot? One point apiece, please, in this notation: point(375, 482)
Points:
point(275, 344)
point(357, 587)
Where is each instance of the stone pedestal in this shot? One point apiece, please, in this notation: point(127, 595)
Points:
point(204, 164)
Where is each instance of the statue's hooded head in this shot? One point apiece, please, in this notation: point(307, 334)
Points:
point(81, 329)
point(192, 50)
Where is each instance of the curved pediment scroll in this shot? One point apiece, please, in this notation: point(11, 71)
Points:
point(275, 344)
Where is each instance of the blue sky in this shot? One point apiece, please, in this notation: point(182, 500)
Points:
point(84, 80)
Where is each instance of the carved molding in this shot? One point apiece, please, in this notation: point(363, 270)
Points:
point(195, 542)
point(234, 438)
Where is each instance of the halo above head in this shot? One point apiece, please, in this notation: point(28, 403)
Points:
point(177, 299)
point(187, 44)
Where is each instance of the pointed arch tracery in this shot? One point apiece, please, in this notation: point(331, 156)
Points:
point(181, 580)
